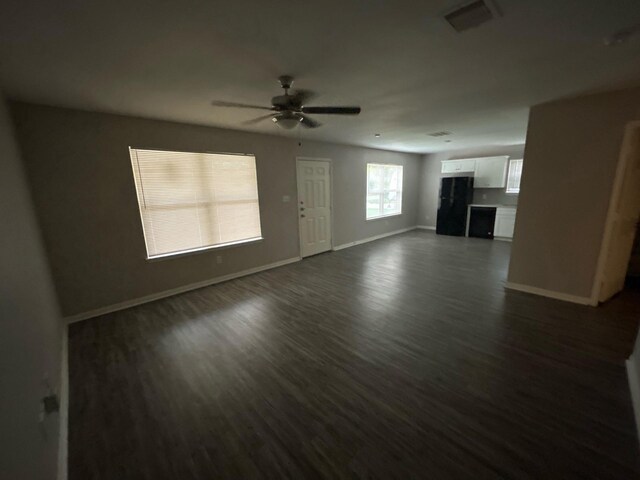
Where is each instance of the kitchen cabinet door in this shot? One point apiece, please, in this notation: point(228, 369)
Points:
point(490, 172)
point(458, 166)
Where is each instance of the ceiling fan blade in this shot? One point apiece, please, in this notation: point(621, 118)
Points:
point(253, 121)
point(308, 122)
point(332, 110)
point(217, 103)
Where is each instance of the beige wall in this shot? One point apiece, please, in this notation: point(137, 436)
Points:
point(31, 336)
point(430, 176)
point(80, 171)
point(350, 189)
point(570, 160)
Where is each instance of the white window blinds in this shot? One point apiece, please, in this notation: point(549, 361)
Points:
point(194, 201)
point(515, 174)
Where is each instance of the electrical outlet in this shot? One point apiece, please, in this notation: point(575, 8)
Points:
point(219, 259)
point(286, 199)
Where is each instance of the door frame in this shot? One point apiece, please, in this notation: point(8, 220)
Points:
point(615, 194)
point(315, 159)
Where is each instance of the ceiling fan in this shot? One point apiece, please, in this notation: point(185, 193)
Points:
point(290, 109)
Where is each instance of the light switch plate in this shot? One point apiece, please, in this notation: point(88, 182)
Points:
point(286, 199)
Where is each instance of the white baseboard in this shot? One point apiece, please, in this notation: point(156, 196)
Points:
point(549, 293)
point(428, 227)
point(634, 385)
point(63, 418)
point(371, 239)
point(174, 291)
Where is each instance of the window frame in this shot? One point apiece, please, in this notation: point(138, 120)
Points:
point(383, 191)
point(514, 191)
point(195, 250)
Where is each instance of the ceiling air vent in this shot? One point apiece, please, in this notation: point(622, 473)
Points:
point(471, 15)
point(439, 134)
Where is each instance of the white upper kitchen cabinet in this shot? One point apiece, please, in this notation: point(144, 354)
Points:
point(459, 166)
point(490, 172)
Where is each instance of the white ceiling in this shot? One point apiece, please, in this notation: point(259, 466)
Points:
point(410, 72)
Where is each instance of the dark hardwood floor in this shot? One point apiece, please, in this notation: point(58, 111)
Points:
point(402, 358)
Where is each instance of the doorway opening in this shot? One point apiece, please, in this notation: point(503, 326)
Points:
point(314, 205)
point(633, 272)
point(619, 256)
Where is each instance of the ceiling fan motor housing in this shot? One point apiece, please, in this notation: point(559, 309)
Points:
point(282, 102)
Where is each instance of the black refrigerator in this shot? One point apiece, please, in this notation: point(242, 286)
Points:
point(456, 194)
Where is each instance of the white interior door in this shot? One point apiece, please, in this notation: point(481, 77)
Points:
point(625, 213)
point(314, 206)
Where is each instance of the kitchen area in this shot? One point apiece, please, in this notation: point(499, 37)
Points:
point(478, 197)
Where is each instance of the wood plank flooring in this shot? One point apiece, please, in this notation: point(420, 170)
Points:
point(402, 358)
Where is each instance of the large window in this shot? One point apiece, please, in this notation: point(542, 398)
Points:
point(384, 190)
point(195, 201)
point(515, 174)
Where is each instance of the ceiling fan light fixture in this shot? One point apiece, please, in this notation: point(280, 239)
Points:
point(287, 120)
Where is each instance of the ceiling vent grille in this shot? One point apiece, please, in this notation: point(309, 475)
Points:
point(471, 15)
point(439, 134)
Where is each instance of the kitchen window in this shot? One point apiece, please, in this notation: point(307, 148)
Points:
point(384, 190)
point(195, 201)
point(515, 174)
